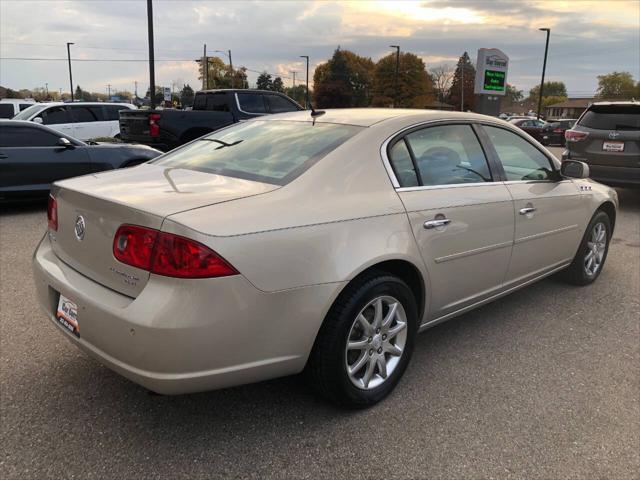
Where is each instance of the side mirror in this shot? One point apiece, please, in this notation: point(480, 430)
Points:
point(37, 120)
point(63, 142)
point(574, 169)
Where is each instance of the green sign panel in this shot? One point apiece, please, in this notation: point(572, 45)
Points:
point(494, 80)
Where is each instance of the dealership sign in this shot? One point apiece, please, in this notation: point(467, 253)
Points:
point(491, 75)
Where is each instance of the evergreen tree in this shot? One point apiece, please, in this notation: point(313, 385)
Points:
point(458, 86)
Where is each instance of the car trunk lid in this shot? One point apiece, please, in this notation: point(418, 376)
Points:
point(92, 207)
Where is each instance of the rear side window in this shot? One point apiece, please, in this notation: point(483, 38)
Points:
point(402, 164)
point(278, 104)
point(251, 103)
point(448, 155)
point(56, 115)
point(217, 102)
point(612, 117)
point(520, 159)
point(26, 137)
point(25, 105)
point(113, 112)
point(6, 110)
point(273, 152)
point(85, 114)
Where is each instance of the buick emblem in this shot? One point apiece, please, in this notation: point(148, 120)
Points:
point(614, 135)
point(80, 227)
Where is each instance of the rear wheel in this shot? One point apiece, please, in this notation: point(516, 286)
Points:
point(592, 253)
point(365, 342)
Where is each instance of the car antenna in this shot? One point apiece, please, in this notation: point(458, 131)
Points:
point(315, 113)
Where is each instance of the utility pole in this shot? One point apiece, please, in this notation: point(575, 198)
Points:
point(231, 69)
point(307, 96)
point(152, 72)
point(544, 67)
point(69, 60)
point(46, 89)
point(135, 88)
point(294, 78)
point(395, 80)
point(108, 91)
point(205, 69)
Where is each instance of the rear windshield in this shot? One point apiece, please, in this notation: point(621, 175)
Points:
point(612, 117)
point(273, 152)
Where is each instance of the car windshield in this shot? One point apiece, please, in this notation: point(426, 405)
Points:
point(612, 117)
point(273, 152)
point(29, 112)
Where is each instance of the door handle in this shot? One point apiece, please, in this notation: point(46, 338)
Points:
point(436, 223)
point(526, 210)
point(2, 155)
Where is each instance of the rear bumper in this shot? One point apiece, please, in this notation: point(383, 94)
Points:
point(182, 336)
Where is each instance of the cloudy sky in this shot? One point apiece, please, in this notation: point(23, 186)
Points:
point(588, 38)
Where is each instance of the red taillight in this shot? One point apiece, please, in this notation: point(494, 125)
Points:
point(52, 213)
point(134, 245)
point(168, 254)
point(154, 128)
point(575, 136)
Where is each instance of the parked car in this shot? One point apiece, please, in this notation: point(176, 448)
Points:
point(607, 138)
point(553, 132)
point(321, 242)
point(212, 109)
point(532, 126)
point(83, 120)
point(10, 107)
point(33, 156)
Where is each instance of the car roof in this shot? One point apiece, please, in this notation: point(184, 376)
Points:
point(627, 102)
point(366, 117)
point(16, 100)
point(49, 104)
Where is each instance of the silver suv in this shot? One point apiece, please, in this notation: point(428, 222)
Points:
point(607, 137)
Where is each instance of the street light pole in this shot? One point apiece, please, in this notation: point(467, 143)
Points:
point(69, 60)
point(544, 67)
point(231, 69)
point(395, 81)
point(152, 72)
point(307, 96)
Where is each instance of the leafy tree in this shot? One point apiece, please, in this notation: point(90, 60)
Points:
point(551, 99)
point(277, 85)
point(297, 93)
point(186, 95)
point(219, 75)
point(346, 80)
point(513, 94)
point(264, 82)
point(618, 85)
point(83, 95)
point(551, 89)
point(442, 76)
point(415, 87)
point(466, 68)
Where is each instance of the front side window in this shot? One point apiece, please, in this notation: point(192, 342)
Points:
point(25, 105)
point(520, 159)
point(56, 116)
point(251, 103)
point(113, 112)
point(273, 152)
point(26, 137)
point(84, 114)
point(448, 155)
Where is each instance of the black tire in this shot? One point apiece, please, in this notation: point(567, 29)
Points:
point(576, 273)
point(327, 371)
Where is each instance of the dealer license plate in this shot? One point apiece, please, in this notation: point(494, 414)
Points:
point(67, 315)
point(613, 146)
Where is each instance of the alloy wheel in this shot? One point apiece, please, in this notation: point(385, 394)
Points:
point(376, 342)
point(596, 248)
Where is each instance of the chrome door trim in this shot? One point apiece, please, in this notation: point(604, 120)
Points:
point(475, 251)
point(436, 187)
point(496, 296)
point(545, 234)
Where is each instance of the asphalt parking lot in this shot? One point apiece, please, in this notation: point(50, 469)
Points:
point(543, 384)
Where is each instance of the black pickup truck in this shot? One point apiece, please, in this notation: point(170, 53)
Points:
point(212, 109)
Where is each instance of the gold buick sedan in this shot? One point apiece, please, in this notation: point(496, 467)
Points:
point(319, 241)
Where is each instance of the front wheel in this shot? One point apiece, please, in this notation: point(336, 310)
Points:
point(366, 341)
point(592, 253)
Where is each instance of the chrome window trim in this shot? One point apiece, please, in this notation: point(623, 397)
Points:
point(244, 111)
point(387, 163)
point(450, 185)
